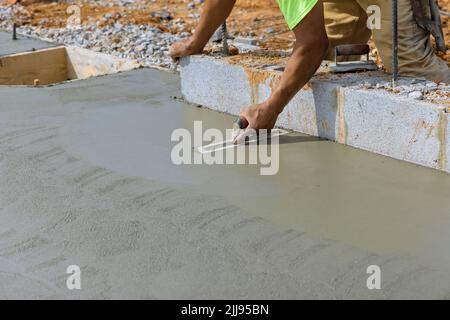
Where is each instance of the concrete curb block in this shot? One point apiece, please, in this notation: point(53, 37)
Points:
point(334, 108)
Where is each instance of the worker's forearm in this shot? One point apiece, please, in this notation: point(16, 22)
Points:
point(214, 14)
point(300, 68)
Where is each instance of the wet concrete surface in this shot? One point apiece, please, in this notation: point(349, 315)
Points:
point(87, 179)
point(22, 44)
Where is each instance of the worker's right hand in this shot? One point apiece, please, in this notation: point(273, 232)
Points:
point(256, 118)
point(183, 48)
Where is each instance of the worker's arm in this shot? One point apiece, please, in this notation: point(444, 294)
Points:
point(214, 14)
point(309, 50)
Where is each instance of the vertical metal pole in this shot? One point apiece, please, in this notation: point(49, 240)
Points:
point(394, 42)
point(226, 50)
point(14, 35)
point(13, 20)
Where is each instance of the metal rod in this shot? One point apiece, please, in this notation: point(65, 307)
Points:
point(14, 35)
point(394, 42)
point(226, 50)
point(13, 20)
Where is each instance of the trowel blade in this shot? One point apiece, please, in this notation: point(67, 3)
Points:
point(227, 144)
point(352, 66)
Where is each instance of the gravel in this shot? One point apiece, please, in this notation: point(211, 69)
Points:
point(416, 95)
point(417, 89)
point(146, 44)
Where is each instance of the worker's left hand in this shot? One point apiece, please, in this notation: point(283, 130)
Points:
point(183, 48)
point(257, 117)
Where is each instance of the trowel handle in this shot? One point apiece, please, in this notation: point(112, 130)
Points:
point(241, 123)
point(352, 49)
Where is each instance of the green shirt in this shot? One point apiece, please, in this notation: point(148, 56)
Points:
point(295, 10)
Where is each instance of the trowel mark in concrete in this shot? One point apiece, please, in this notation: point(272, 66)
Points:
point(21, 133)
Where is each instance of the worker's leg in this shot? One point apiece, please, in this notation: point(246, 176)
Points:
point(345, 22)
point(415, 53)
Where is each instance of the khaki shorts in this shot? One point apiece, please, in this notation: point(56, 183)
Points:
point(346, 23)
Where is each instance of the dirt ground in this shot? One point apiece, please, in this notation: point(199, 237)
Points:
point(249, 18)
point(256, 18)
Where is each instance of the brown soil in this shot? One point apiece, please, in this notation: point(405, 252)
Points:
point(257, 18)
point(249, 18)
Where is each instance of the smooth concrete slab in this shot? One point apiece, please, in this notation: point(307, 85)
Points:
point(86, 179)
point(22, 44)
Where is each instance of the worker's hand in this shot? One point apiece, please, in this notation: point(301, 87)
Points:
point(257, 117)
point(183, 48)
